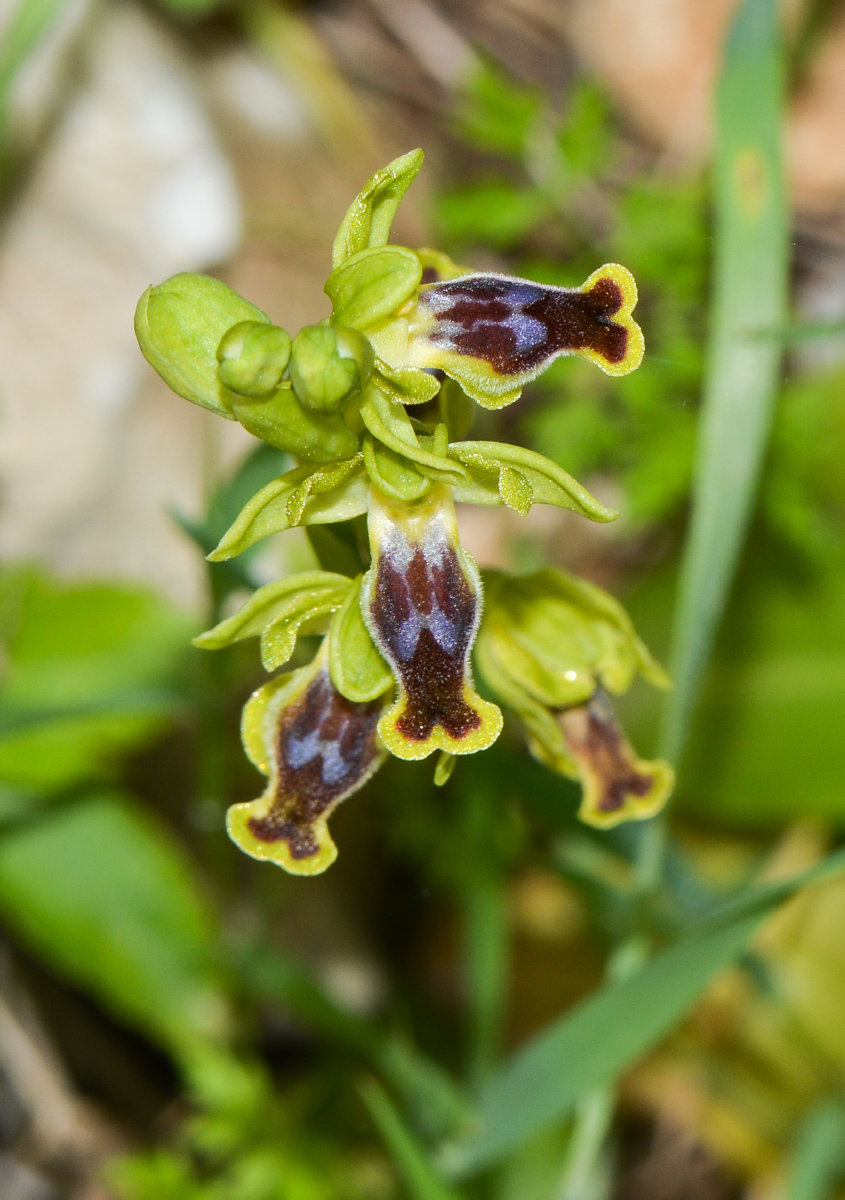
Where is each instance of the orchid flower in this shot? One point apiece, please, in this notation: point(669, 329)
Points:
point(374, 404)
point(553, 647)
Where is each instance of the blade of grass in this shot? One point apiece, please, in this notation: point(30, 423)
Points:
point(410, 1159)
point(588, 1047)
point(819, 1154)
point(486, 965)
point(805, 330)
point(750, 276)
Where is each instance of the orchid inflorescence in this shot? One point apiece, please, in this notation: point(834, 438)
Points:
point(375, 403)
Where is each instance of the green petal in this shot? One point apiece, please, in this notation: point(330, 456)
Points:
point(549, 483)
point(269, 603)
point(283, 421)
point(557, 635)
point(407, 384)
point(302, 496)
point(387, 421)
point(370, 216)
point(392, 473)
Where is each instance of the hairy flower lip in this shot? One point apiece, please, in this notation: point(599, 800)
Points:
point(421, 601)
point(493, 333)
point(317, 749)
point(618, 786)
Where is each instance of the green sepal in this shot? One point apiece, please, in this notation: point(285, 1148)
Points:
point(545, 737)
point(387, 420)
point(336, 492)
point(370, 216)
point(279, 612)
point(548, 483)
point(393, 473)
point(369, 287)
point(180, 324)
point(357, 668)
point(557, 636)
point(329, 365)
point(253, 357)
point(407, 384)
point(283, 421)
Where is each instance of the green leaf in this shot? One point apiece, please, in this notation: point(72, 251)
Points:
point(497, 112)
point(370, 216)
point(372, 285)
point(604, 1035)
point(104, 896)
point(303, 496)
point(89, 674)
point(357, 668)
point(523, 469)
point(280, 612)
point(415, 1170)
point(818, 1158)
point(179, 325)
point(750, 289)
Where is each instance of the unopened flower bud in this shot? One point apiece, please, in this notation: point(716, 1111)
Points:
point(329, 365)
point(253, 357)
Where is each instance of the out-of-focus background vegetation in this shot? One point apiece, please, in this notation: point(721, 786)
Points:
point(178, 1022)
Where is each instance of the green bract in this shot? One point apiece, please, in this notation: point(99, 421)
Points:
point(375, 402)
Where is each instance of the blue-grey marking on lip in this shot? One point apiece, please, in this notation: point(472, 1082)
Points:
point(516, 326)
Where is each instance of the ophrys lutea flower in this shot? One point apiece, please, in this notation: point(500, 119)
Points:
point(374, 404)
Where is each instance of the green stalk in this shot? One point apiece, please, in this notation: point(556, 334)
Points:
point(486, 964)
